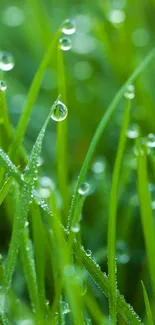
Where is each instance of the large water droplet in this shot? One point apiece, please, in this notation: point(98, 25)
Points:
point(130, 92)
point(69, 27)
point(65, 43)
point(84, 188)
point(151, 140)
point(6, 61)
point(3, 85)
point(59, 112)
point(116, 17)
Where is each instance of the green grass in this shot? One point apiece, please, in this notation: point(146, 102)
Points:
point(52, 237)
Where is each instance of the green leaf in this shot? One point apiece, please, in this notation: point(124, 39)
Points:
point(9, 166)
point(147, 305)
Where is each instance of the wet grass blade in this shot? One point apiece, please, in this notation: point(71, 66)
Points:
point(147, 305)
point(101, 127)
point(9, 166)
point(113, 215)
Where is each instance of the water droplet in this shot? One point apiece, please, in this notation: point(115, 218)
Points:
point(116, 17)
point(6, 61)
point(84, 188)
point(88, 252)
point(151, 140)
point(130, 92)
point(26, 224)
point(69, 27)
point(98, 166)
point(65, 43)
point(75, 228)
point(13, 16)
point(44, 192)
point(133, 132)
point(3, 85)
point(47, 302)
point(65, 307)
point(59, 112)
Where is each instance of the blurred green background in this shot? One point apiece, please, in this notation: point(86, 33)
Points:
point(112, 38)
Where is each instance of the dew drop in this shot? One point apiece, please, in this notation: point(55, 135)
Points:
point(65, 43)
point(84, 188)
point(59, 112)
point(133, 132)
point(26, 224)
point(75, 228)
point(88, 252)
point(6, 61)
point(98, 166)
point(69, 27)
point(130, 92)
point(151, 140)
point(116, 17)
point(3, 85)
point(65, 307)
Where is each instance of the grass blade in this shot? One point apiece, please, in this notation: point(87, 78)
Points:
point(147, 305)
point(146, 212)
point(113, 214)
point(9, 166)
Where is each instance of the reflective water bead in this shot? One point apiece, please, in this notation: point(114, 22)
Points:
point(65, 307)
point(65, 43)
point(59, 112)
point(69, 27)
point(6, 61)
point(130, 92)
point(84, 188)
point(98, 166)
point(133, 132)
point(116, 16)
point(88, 252)
point(75, 228)
point(3, 85)
point(151, 140)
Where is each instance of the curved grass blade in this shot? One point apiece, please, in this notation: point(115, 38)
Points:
point(147, 305)
point(146, 211)
point(102, 281)
point(5, 188)
point(101, 127)
point(113, 214)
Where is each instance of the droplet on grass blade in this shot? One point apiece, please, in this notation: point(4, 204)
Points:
point(88, 252)
point(130, 92)
point(75, 228)
point(6, 61)
point(65, 307)
point(65, 43)
point(69, 27)
point(133, 131)
point(3, 85)
point(151, 140)
point(84, 189)
point(59, 112)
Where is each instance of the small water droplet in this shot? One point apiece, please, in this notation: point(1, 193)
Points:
point(3, 85)
point(88, 252)
point(151, 140)
point(65, 43)
point(6, 61)
point(130, 92)
point(26, 224)
point(98, 166)
point(47, 302)
point(65, 307)
point(59, 112)
point(44, 192)
point(69, 27)
point(75, 228)
point(116, 17)
point(84, 188)
point(133, 131)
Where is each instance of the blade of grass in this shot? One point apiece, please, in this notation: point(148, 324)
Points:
point(146, 211)
point(62, 128)
point(113, 214)
point(101, 127)
point(9, 166)
point(147, 305)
